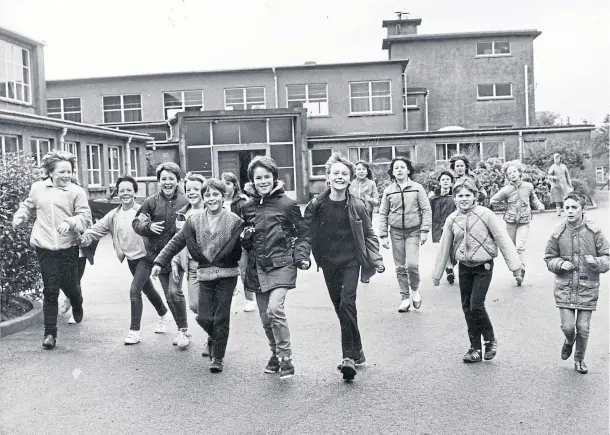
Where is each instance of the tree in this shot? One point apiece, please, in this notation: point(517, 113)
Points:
point(601, 143)
point(548, 118)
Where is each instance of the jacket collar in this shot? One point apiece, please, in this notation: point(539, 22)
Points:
point(326, 194)
point(278, 188)
point(135, 206)
point(517, 183)
point(49, 183)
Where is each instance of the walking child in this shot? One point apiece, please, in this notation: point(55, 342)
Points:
point(577, 253)
point(213, 240)
point(473, 234)
point(62, 211)
point(460, 165)
point(338, 226)
point(364, 187)
point(561, 183)
point(273, 221)
point(405, 208)
point(442, 204)
point(519, 197)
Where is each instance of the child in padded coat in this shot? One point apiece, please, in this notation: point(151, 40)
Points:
point(473, 235)
point(338, 226)
point(442, 205)
point(212, 237)
point(576, 253)
point(273, 221)
point(519, 197)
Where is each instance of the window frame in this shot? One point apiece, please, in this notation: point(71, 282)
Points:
point(111, 169)
point(406, 104)
point(459, 150)
point(494, 96)
point(90, 169)
point(133, 165)
point(370, 98)
point(18, 71)
point(245, 98)
point(36, 152)
point(122, 109)
point(183, 104)
point(493, 49)
point(62, 111)
point(3, 151)
point(370, 152)
point(311, 165)
point(308, 101)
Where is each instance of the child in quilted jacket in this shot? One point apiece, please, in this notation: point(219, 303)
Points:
point(576, 253)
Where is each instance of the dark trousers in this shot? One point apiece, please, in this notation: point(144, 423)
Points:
point(140, 270)
point(82, 263)
point(342, 283)
point(59, 270)
point(474, 283)
point(214, 313)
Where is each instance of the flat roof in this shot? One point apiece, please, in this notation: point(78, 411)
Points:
point(462, 35)
point(19, 37)
point(236, 70)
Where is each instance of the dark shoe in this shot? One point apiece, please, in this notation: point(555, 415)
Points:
point(472, 356)
point(491, 348)
point(77, 314)
point(273, 366)
point(206, 350)
point(450, 276)
point(519, 279)
point(216, 366)
point(361, 360)
point(365, 281)
point(581, 367)
point(49, 342)
point(286, 368)
point(348, 368)
point(566, 350)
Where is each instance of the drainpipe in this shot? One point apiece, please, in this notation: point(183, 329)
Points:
point(527, 99)
point(62, 138)
point(426, 109)
point(128, 153)
point(277, 94)
point(520, 146)
point(404, 81)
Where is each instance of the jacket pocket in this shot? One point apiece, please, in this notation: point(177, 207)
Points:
point(286, 260)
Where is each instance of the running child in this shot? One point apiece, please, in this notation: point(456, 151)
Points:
point(442, 204)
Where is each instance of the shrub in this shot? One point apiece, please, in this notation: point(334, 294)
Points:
point(572, 155)
point(19, 272)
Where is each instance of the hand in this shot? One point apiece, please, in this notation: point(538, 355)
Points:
point(423, 236)
point(247, 233)
point(157, 227)
point(63, 228)
point(566, 265)
point(380, 269)
point(175, 271)
point(590, 259)
point(17, 222)
point(156, 270)
point(542, 207)
point(436, 282)
point(304, 264)
point(80, 241)
point(385, 243)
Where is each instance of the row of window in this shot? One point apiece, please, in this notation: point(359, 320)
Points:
point(365, 98)
point(116, 155)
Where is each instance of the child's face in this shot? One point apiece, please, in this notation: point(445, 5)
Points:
point(213, 199)
point(445, 181)
point(263, 180)
point(193, 191)
point(513, 173)
point(574, 211)
point(400, 170)
point(230, 189)
point(339, 177)
point(168, 182)
point(464, 199)
point(460, 168)
point(61, 174)
point(361, 171)
point(126, 192)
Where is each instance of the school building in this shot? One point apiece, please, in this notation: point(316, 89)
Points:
point(434, 96)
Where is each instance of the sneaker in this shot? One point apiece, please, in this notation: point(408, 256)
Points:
point(273, 366)
point(206, 349)
point(250, 306)
point(405, 306)
point(65, 306)
point(49, 342)
point(566, 350)
point(472, 356)
point(162, 325)
point(416, 299)
point(348, 368)
point(133, 337)
point(216, 366)
point(519, 279)
point(365, 281)
point(491, 348)
point(182, 340)
point(450, 276)
point(361, 360)
point(77, 315)
point(71, 321)
point(286, 368)
point(581, 367)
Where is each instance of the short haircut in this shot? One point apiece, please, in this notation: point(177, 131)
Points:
point(402, 159)
point(264, 162)
point(578, 197)
point(516, 163)
point(169, 167)
point(465, 183)
point(52, 158)
point(557, 155)
point(448, 174)
point(193, 177)
point(457, 157)
point(214, 183)
point(369, 170)
point(231, 178)
point(338, 158)
point(129, 179)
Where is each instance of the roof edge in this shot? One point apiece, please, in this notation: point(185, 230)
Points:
point(534, 33)
point(20, 37)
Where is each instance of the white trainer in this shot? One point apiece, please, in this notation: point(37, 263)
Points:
point(71, 321)
point(65, 306)
point(416, 296)
point(405, 306)
point(250, 306)
point(183, 340)
point(133, 337)
point(162, 325)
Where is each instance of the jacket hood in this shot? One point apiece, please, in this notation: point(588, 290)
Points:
point(437, 191)
point(239, 197)
point(278, 187)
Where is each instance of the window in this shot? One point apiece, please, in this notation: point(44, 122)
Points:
point(182, 101)
point(444, 151)
point(376, 155)
point(94, 168)
point(495, 48)
point(39, 147)
point(494, 91)
point(370, 97)
point(8, 144)
point(133, 161)
point(68, 109)
point(199, 160)
point(492, 149)
point(318, 159)
point(123, 108)
point(158, 136)
point(72, 148)
point(245, 98)
point(114, 164)
point(601, 174)
point(411, 102)
point(533, 145)
point(15, 73)
point(313, 97)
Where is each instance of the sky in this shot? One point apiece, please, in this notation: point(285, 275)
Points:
point(86, 38)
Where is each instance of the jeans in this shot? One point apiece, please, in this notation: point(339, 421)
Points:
point(405, 250)
point(518, 234)
point(243, 265)
point(575, 326)
point(271, 309)
point(140, 270)
point(192, 285)
point(59, 270)
point(215, 312)
point(342, 284)
point(174, 297)
point(474, 283)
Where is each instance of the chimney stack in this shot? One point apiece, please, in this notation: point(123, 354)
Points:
point(402, 25)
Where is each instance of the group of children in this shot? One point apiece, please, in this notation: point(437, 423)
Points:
point(213, 233)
